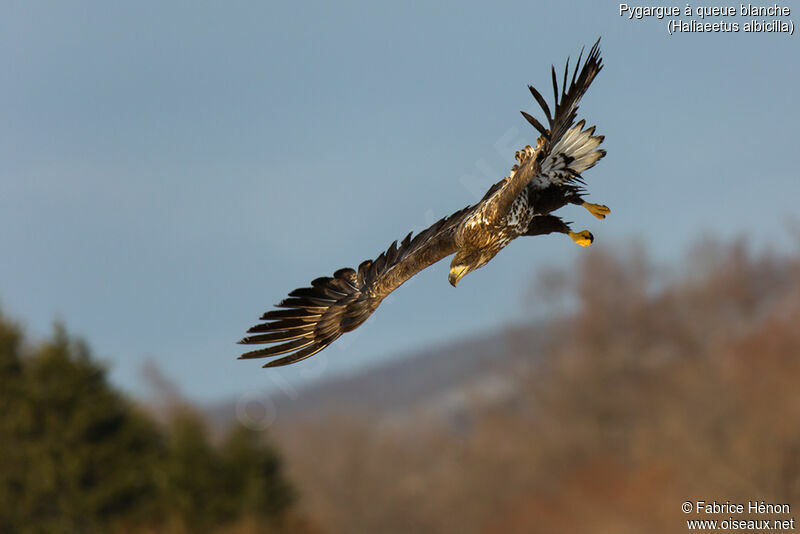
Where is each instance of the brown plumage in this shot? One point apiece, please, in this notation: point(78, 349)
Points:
point(544, 179)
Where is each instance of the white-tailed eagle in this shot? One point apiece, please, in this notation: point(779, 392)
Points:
point(544, 179)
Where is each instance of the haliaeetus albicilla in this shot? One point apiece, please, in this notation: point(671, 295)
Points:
point(544, 179)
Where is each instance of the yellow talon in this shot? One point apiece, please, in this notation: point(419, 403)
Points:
point(598, 210)
point(583, 238)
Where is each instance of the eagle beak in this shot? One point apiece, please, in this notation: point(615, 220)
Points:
point(456, 274)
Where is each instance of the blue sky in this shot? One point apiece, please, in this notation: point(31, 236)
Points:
point(168, 171)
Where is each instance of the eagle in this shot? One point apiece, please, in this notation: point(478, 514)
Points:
point(545, 178)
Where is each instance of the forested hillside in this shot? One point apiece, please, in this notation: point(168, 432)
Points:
point(651, 385)
point(79, 457)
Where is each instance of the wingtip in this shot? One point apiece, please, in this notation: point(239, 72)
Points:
point(250, 355)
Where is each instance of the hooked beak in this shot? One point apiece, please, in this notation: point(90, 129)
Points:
point(456, 274)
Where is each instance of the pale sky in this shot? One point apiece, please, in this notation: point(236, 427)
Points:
point(168, 171)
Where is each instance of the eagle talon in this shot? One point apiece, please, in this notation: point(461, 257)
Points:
point(598, 210)
point(583, 238)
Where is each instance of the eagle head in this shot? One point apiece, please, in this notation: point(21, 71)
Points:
point(465, 262)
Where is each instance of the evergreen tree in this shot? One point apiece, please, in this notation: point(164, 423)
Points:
point(207, 485)
point(12, 415)
point(80, 453)
point(77, 457)
point(190, 474)
point(253, 474)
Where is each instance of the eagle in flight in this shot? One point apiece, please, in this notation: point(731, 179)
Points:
point(544, 179)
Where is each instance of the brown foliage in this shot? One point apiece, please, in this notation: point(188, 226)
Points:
point(658, 389)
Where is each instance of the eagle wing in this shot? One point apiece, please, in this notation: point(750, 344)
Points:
point(559, 145)
point(572, 149)
point(311, 318)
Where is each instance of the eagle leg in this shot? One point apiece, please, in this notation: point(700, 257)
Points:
point(598, 210)
point(547, 224)
point(584, 238)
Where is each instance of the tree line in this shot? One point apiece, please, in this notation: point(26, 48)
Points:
point(77, 456)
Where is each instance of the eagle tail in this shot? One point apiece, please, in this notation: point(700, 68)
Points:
point(579, 149)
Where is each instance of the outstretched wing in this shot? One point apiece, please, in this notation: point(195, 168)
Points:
point(313, 317)
point(571, 148)
point(561, 149)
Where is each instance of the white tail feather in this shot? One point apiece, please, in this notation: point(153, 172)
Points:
point(579, 147)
